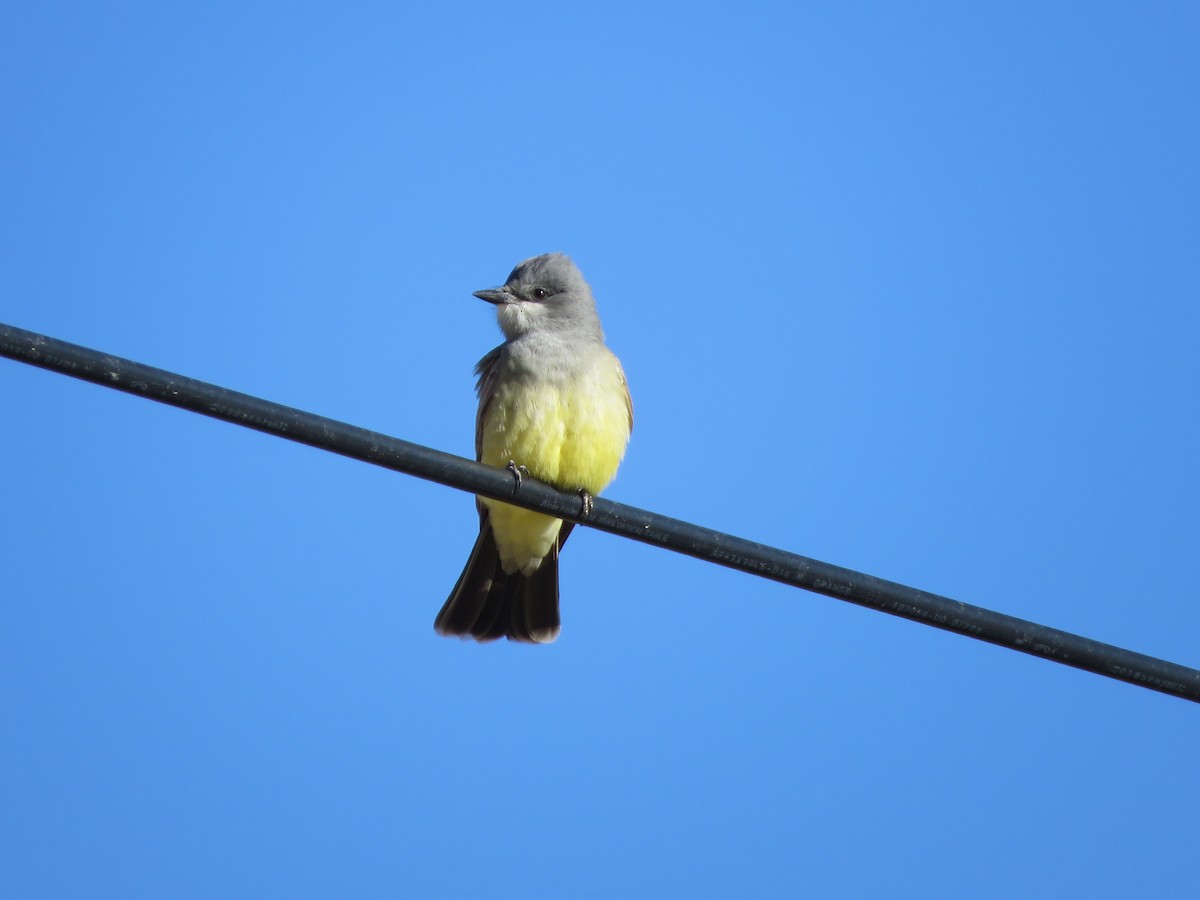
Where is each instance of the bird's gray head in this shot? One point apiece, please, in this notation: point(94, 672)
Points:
point(545, 294)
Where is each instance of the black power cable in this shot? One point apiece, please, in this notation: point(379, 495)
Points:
point(617, 518)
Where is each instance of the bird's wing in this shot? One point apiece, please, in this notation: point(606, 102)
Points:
point(628, 399)
point(488, 369)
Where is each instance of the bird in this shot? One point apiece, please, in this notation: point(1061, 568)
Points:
point(553, 404)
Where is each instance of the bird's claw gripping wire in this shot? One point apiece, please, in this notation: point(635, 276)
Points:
point(585, 503)
point(518, 474)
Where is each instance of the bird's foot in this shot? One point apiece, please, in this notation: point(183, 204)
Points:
point(518, 473)
point(585, 503)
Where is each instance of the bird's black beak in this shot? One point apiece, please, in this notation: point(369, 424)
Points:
point(499, 296)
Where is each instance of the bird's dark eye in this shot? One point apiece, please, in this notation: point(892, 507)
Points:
point(538, 293)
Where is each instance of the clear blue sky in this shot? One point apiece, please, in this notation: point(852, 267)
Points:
point(910, 288)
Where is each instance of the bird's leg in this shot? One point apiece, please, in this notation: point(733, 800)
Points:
point(585, 503)
point(518, 472)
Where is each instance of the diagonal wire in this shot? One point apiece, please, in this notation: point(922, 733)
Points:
point(607, 515)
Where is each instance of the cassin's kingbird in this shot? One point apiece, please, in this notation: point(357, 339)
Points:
point(553, 402)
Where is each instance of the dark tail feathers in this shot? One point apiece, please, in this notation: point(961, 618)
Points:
point(487, 603)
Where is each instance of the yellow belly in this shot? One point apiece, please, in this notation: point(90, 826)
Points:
point(570, 433)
